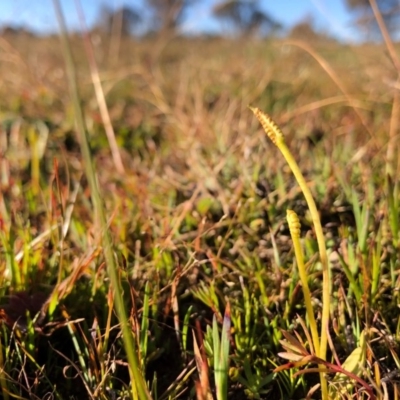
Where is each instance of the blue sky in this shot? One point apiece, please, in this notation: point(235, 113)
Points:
point(330, 15)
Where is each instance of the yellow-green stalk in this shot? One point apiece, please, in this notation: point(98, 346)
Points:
point(276, 136)
point(294, 227)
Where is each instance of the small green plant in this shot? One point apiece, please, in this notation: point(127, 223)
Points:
point(221, 354)
point(214, 352)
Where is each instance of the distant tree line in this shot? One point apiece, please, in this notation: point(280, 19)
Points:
point(365, 18)
point(241, 17)
point(237, 17)
point(245, 17)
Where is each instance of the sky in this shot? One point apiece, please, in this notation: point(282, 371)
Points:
point(329, 15)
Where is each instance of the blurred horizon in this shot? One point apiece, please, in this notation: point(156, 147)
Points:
point(332, 18)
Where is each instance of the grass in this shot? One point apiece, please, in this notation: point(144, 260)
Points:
point(204, 260)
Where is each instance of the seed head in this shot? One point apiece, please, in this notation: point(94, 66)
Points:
point(270, 127)
point(294, 223)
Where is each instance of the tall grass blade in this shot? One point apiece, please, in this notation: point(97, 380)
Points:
point(138, 383)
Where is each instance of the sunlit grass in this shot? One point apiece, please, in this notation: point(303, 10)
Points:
point(196, 222)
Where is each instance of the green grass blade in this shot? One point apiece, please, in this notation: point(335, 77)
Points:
point(138, 382)
point(144, 327)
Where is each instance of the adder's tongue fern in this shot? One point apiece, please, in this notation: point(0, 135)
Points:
point(276, 136)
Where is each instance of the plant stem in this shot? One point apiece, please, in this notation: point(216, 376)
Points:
point(294, 226)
